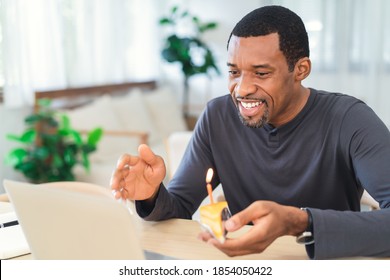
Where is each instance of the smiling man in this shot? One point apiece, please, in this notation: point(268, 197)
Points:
point(262, 85)
point(291, 160)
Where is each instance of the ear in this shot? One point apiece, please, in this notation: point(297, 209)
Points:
point(302, 68)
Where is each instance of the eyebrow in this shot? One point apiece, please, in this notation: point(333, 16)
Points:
point(254, 66)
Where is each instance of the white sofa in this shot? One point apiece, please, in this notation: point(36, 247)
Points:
point(155, 112)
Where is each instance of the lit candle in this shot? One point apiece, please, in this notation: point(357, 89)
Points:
point(209, 176)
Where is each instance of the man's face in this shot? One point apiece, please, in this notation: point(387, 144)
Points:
point(260, 83)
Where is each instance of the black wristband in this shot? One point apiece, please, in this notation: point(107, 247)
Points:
point(307, 237)
point(310, 221)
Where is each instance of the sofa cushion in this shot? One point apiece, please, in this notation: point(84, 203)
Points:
point(165, 111)
point(133, 115)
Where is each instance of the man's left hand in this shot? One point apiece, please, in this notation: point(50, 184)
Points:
point(270, 221)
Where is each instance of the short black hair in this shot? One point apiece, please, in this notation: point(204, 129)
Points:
point(293, 39)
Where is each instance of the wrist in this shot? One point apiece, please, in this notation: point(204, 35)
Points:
point(298, 221)
point(307, 236)
point(150, 202)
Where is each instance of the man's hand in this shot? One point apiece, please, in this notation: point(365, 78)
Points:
point(270, 221)
point(138, 177)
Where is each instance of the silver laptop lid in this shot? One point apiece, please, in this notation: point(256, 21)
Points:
point(70, 220)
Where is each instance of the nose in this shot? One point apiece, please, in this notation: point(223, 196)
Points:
point(244, 87)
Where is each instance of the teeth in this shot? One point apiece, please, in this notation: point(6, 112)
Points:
point(248, 105)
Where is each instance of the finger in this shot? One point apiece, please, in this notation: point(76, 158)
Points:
point(226, 247)
point(255, 240)
point(229, 250)
point(117, 194)
point(249, 214)
point(126, 160)
point(205, 236)
point(118, 182)
point(116, 177)
point(231, 247)
point(124, 193)
point(237, 221)
point(234, 247)
point(123, 160)
point(124, 163)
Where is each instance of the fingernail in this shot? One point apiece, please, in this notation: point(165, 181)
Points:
point(118, 198)
point(229, 224)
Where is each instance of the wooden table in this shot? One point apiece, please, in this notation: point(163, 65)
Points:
point(178, 238)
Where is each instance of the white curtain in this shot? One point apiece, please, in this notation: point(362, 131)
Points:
point(57, 43)
point(350, 47)
point(31, 48)
point(62, 43)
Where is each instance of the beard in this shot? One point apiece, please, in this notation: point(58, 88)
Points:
point(252, 122)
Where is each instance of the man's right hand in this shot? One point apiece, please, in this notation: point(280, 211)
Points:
point(138, 177)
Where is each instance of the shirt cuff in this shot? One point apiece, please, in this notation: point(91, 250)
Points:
point(151, 214)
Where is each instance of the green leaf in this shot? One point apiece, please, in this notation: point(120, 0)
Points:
point(65, 122)
point(50, 140)
point(174, 9)
point(76, 137)
point(185, 14)
point(44, 102)
point(63, 132)
point(41, 153)
point(13, 137)
point(87, 148)
point(85, 162)
point(32, 119)
point(57, 161)
point(29, 136)
point(94, 136)
point(69, 156)
point(207, 26)
point(67, 176)
point(28, 168)
point(51, 121)
point(165, 20)
point(15, 157)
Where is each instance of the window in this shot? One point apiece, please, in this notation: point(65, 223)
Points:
point(65, 43)
point(385, 35)
point(1, 56)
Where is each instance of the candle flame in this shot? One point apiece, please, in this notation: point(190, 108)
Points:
point(209, 175)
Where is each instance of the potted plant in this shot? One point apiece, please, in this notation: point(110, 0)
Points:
point(189, 50)
point(51, 148)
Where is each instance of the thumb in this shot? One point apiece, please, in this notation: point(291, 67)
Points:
point(240, 219)
point(147, 154)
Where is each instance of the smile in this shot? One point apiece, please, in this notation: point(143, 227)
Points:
point(250, 108)
point(249, 105)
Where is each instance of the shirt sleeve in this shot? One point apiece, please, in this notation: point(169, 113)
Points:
point(350, 234)
point(165, 207)
point(185, 192)
point(366, 142)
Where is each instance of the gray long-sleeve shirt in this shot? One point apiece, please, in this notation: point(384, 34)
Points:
point(322, 159)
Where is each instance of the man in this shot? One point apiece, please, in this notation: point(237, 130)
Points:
point(298, 148)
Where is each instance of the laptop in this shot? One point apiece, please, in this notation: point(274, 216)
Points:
point(74, 220)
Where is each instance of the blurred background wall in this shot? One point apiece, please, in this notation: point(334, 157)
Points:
point(48, 44)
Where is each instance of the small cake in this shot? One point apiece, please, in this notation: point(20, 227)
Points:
point(212, 218)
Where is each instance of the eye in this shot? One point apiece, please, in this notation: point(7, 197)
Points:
point(233, 72)
point(262, 74)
